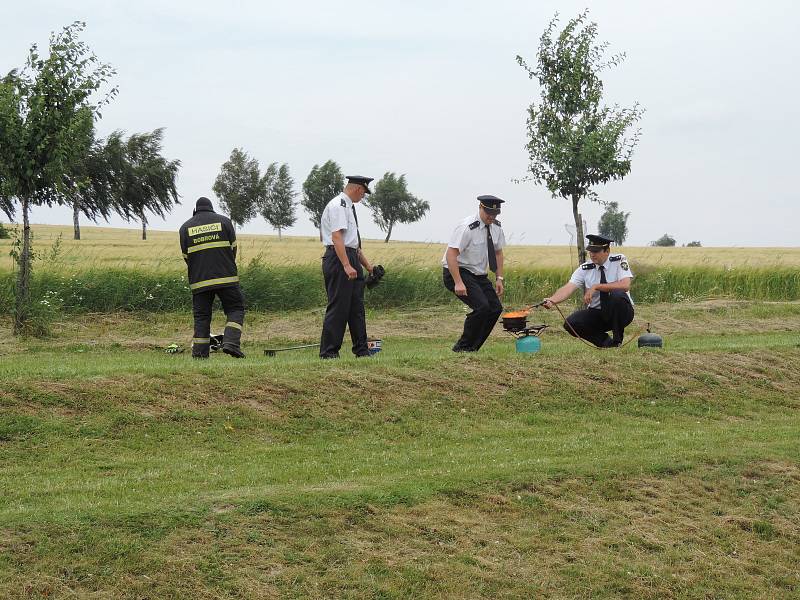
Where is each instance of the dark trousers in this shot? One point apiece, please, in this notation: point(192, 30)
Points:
point(615, 314)
point(232, 303)
point(345, 306)
point(486, 308)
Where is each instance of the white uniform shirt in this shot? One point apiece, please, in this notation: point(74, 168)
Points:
point(338, 215)
point(587, 275)
point(470, 239)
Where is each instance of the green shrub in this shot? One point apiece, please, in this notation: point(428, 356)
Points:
point(282, 288)
point(42, 313)
point(665, 240)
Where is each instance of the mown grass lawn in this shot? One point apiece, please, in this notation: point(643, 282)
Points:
point(127, 472)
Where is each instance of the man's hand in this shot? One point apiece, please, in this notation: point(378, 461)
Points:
point(499, 287)
point(587, 296)
point(548, 304)
point(460, 289)
point(350, 272)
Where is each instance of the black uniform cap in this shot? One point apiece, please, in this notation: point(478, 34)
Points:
point(490, 203)
point(598, 242)
point(360, 180)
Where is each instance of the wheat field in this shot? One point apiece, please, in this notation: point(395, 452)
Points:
point(123, 248)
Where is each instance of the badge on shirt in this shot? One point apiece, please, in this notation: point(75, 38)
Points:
point(624, 265)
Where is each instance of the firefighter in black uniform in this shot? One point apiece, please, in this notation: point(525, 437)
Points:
point(208, 243)
point(342, 269)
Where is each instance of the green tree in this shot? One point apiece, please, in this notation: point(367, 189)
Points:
point(6, 203)
point(320, 187)
point(391, 203)
point(614, 223)
point(665, 240)
point(4, 233)
point(575, 142)
point(239, 187)
point(91, 186)
point(268, 182)
point(141, 180)
point(278, 208)
point(694, 244)
point(47, 113)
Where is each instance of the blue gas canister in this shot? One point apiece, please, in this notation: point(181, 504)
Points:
point(528, 343)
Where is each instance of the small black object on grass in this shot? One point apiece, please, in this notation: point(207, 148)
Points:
point(650, 340)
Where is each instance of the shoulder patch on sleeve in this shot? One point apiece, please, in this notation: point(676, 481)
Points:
point(624, 265)
point(587, 266)
point(344, 202)
point(474, 224)
point(615, 257)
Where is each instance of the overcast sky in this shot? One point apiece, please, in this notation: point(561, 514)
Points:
point(432, 90)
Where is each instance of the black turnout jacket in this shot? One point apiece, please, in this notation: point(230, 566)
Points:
point(208, 243)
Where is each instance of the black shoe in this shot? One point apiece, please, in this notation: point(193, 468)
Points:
point(233, 351)
point(606, 343)
point(200, 356)
point(328, 356)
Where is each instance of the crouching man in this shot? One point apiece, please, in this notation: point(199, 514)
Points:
point(606, 279)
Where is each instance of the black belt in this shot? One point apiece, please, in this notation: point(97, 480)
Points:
point(463, 272)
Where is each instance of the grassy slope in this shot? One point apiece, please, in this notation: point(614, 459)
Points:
point(128, 473)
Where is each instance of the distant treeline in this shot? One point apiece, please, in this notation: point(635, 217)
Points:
point(299, 287)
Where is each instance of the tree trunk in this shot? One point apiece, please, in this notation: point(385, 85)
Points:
point(579, 230)
point(76, 211)
point(144, 226)
point(389, 233)
point(23, 295)
point(279, 233)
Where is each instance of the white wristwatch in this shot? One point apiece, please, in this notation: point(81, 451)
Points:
point(500, 278)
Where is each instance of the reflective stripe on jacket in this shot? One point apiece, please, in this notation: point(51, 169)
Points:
point(208, 243)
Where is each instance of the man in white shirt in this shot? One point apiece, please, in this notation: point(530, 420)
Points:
point(475, 248)
point(342, 269)
point(606, 279)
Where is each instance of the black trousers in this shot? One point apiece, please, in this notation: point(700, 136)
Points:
point(592, 324)
point(486, 308)
point(345, 306)
point(232, 303)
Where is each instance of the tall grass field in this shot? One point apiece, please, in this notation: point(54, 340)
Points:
point(111, 269)
point(108, 247)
